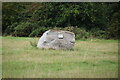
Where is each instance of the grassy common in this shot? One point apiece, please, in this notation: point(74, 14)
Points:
point(0, 57)
point(90, 59)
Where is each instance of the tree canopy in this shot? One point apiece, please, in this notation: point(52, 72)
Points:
point(32, 19)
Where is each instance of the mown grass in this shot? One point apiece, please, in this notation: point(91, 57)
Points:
point(0, 57)
point(89, 59)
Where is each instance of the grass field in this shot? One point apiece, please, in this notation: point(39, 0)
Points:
point(89, 59)
point(0, 57)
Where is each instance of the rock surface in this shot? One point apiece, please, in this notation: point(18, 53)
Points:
point(57, 39)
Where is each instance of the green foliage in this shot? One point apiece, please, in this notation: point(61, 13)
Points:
point(38, 32)
point(10, 29)
point(97, 20)
point(97, 33)
point(80, 33)
point(11, 13)
point(24, 28)
point(33, 44)
point(114, 27)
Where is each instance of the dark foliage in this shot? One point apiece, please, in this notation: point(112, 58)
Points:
point(86, 20)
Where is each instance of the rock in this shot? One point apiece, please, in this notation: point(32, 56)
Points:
point(57, 39)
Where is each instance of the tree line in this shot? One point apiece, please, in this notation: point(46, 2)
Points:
point(86, 20)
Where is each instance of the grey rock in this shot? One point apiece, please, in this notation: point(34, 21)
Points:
point(57, 39)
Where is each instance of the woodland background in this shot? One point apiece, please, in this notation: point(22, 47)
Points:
point(86, 20)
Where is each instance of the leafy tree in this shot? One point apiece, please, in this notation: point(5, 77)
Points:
point(32, 19)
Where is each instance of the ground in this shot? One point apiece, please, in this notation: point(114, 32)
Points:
point(89, 59)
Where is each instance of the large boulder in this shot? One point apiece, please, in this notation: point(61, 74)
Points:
point(57, 39)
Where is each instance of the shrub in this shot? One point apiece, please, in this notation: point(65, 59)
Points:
point(24, 28)
point(114, 26)
point(57, 28)
point(97, 33)
point(10, 29)
point(38, 32)
point(80, 33)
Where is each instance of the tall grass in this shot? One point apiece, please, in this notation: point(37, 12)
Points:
point(33, 44)
point(0, 57)
point(89, 59)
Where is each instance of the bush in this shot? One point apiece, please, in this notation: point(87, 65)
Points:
point(80, 33)
point(38, 32)
point(57, 28)
point(10, 29)
point(97, 33)
point(114, 26)
point(24, 29)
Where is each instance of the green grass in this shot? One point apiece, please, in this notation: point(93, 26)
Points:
point(89, 59)
point(0, 57)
